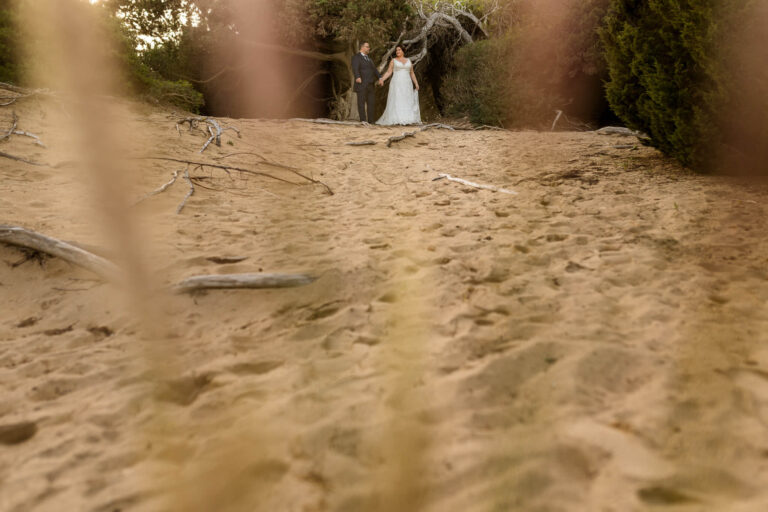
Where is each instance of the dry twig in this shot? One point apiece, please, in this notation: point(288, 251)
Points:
point(19, 159)
point(557, 118)
point(189, 194)
point(424, 128)
point(617, 130)
point(31, 136)
point(160, 189)
point(227, 168)
point(329, 121)
point(213, 124)
point(475, 185)
point(14, 124)
point(14, 131)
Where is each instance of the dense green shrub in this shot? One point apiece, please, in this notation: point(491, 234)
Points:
point(9, 40)
point(672, 75)
point(121, 46)
point(474, 88)
point(487, 86)
point(542, 62)
point(141, 79)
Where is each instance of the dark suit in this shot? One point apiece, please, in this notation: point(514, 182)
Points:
point(366, 71)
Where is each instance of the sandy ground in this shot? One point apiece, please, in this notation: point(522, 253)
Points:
point(595, 343)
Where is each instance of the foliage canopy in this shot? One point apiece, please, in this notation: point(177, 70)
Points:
point(674, 74)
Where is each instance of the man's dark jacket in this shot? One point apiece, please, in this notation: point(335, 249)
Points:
point(364, 69)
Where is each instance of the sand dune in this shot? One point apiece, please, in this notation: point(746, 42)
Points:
point(595, 343)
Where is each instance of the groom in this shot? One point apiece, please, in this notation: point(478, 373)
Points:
point(366, 75)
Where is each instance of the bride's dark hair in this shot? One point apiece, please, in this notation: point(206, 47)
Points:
point(401, 49)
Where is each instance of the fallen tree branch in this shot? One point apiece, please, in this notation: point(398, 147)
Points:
point(329, 121)
point(19, 159)
point(440, 126)
point(557, 118)
point(398, 138)
point(617, 130)
point(14, 131)
point(23, 93)
point(162, 188)
point(243, 170)
point(31, 136)
point(475, 185)
point(14, 124)
point(424, 128)
point(489, 127)
point(215, 136)
point(22, 237)
point(16, 88)
point(222, 157)
point(189, 194)
point(361, 143)
point(213, 124)
point(240, 281)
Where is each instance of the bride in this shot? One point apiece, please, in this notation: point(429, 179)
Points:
point(403, 100)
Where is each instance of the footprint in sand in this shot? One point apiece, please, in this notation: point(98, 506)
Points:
point(183, 391)
point(17, 433)
point(54, 389)
point(255, 368)
point(499, 382)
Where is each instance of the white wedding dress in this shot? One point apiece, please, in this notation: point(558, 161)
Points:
point(403, 99)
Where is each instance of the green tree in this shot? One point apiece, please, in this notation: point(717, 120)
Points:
point(673, 73)
point(12, 65)
point(539, 59)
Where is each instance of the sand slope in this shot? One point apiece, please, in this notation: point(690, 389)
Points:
point(596, 342)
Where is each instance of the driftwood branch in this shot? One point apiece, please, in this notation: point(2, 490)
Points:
point(239, 281)
point(23, 93)
point(489, 127)
point(475, 185)
point(361, 143)
point(189, 194)
point(14, 124)
point(22, 237)
point(238, 153)
point(557, 118)
point(617, 130)
point(13, 131)
point(16, 88)
point(329, 121)
point(214, 136)
point(31, 136)
point(215, 129)
point(424, 128)
point(162, 188)
point(398, 138)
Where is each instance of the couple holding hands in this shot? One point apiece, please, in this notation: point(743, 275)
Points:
point(403, 98)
